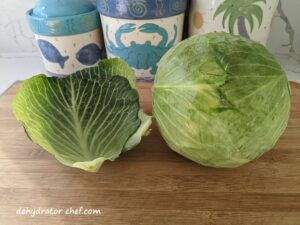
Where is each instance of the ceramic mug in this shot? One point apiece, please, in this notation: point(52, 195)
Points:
point(68, 34)
point(248, 18)
point(141, 31)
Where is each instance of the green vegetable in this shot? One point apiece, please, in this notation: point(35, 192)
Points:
point(221, 100)
point(86, 118)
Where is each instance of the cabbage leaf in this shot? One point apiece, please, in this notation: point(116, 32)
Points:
point(86, 118)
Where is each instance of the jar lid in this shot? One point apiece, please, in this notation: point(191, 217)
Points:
point(63, 17)
point(58, 8)
point(141, 9)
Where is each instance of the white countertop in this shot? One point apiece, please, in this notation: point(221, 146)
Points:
point(15, 68)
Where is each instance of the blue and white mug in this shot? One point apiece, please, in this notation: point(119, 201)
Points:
point(68, 34)
point(141, 31)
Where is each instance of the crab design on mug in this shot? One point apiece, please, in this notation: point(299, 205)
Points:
point(141, 56)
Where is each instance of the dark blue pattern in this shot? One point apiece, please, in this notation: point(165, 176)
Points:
point(141, 9)
point(89, 54)
point(51, 53)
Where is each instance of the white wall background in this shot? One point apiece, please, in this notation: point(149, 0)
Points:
point(15, 34)
point(16, 37)
point(285, 35)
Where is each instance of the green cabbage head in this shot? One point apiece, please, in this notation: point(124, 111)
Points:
point(86, 118)
point(221, 100)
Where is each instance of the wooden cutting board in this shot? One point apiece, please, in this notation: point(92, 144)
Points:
point(150, 185)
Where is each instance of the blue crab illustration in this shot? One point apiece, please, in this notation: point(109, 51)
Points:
point(141, 56)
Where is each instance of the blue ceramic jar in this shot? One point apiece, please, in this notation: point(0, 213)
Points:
point(68, 34)
point(141, 31)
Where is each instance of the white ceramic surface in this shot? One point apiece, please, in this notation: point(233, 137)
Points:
point(142, 49)
point(70, 46)
point(205, 18)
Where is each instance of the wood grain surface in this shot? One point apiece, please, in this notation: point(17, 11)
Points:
point(150, 185)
